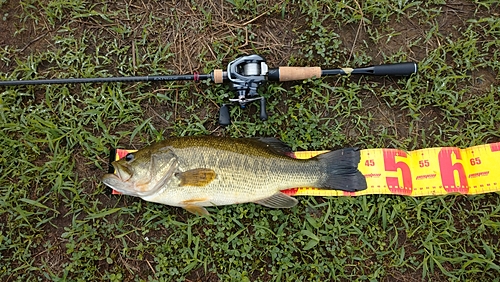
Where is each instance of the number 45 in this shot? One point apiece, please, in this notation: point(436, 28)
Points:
point(370, 163)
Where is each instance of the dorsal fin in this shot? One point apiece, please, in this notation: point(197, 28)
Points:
point(273, 144)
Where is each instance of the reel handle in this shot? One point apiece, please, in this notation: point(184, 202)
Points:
point(263, 112)
point(224, 118)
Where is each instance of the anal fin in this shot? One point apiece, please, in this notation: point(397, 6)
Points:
point(278, 200)
point(198, 210)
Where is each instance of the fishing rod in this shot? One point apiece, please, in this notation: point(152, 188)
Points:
point(244, 76)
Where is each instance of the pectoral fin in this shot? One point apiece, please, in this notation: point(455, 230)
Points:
point(196, 177)
point(278, 200)
point(198, 210)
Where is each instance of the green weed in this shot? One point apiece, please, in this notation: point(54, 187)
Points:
point(59, 223)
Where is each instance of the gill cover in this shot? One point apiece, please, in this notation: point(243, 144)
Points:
point(142, 173)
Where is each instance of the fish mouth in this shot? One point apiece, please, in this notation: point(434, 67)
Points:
point(122, 172)
point(110, 178)
point(113, 181)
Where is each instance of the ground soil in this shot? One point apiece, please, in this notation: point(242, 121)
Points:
point(273, 35)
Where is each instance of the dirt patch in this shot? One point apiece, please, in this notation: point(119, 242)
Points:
point(14, 32)
point(191, 41)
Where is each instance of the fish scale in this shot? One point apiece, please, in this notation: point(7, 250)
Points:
point(240, 176)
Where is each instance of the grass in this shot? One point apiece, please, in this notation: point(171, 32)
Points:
point(58, 222)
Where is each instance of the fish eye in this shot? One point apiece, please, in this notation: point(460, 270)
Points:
point(129, 157)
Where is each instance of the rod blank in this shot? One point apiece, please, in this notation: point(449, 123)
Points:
point(107, 79)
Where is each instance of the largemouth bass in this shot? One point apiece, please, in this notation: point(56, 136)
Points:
point(195, 172)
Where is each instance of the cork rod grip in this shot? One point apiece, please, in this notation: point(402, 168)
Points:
point(298, 73)
point(218, 76)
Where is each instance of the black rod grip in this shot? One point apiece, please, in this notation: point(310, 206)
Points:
point(398, 69)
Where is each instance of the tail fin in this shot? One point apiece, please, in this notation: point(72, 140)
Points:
point(342, 169)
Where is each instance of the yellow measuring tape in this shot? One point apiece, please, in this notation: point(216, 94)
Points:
point(433, 171)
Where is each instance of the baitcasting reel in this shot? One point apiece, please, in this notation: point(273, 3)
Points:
point(245, 75)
